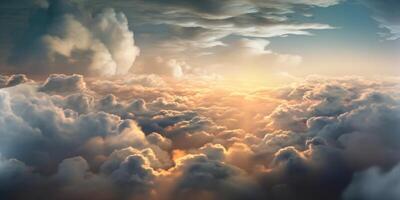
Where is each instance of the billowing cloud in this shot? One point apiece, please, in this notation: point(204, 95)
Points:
point(9, 81)
point(64, 37)
point(373, 184)
point(63, 83)
point(70, 137)
point(171, 131)
point(161, 66)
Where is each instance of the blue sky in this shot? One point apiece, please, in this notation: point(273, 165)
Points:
point(356, 32)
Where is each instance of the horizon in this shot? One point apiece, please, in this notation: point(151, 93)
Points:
point(200, 99)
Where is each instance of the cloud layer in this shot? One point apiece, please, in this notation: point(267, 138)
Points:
point(71, 137)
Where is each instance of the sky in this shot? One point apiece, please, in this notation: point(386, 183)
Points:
point(200, 99)
point(173, 38)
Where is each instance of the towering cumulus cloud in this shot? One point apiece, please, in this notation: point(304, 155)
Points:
point(65, 37)
point(147, 137)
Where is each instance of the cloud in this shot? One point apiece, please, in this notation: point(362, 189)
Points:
point(118, 138)
point(63, 83)
point(211, 179)
point(12, 174)
point(180, 31)
point(196, 26)
point(161, 66)
point(386, 15)
point(105, 45)
point(245, 56)
point(13, 80)
point(374, 183)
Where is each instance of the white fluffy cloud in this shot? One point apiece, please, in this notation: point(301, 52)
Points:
point(162, 66)
point(71, 39)
point(118, 139)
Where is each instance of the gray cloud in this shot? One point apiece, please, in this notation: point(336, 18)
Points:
point(13, 80)
point(62, 83)
point(203, 25)
point(373, 184)
point(211, 179)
